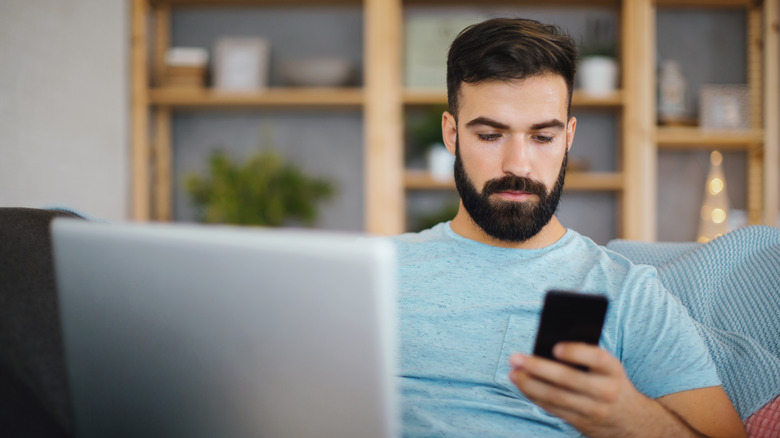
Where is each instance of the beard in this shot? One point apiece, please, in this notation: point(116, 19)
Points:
point(504, 220)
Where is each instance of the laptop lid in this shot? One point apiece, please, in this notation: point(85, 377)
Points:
point(206, 331)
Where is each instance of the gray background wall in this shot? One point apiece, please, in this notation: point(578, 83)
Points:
point(64, 105)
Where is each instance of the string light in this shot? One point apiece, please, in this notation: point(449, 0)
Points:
point(715, 207)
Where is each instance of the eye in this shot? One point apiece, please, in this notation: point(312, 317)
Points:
point(489, 137)
point(543, 138)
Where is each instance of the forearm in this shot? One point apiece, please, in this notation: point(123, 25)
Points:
point(658, 422)
point(643, 418)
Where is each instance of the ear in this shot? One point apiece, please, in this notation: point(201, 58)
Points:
point(571, 127)
point(449, 131)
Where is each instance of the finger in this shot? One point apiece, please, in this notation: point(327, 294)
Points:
point(571, 406)
point(605, 375)
point(594, 358)
point(552, 372)
point(592, 385)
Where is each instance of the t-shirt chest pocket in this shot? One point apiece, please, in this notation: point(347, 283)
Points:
point(519, 337)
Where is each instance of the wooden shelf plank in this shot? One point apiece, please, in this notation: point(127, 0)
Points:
point(286, 97)
point(594, 181)
point(222, 3)
point(696, 138)
point(587, 3)
point(705, 3)
point(417, 179)
point(424, 96)
point(579, 99)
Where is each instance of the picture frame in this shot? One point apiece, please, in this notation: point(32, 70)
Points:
point(427, 38)
point(241, 64)
point(724, 107)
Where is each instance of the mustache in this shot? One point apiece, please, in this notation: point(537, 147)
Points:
point(515, 183)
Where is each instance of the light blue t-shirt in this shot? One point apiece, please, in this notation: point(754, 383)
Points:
point(465, 307)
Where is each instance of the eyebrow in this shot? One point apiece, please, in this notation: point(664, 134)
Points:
point(554, 123)
point(486, 121)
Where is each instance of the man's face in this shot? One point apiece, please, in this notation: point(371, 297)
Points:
point(511, 142)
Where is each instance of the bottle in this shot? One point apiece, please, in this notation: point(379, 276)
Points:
point(671, 93)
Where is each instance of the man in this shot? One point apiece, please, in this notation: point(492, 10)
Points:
point(472, 289)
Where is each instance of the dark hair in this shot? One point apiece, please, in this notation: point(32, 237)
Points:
point(506, 49)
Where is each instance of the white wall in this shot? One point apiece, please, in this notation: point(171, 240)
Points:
point(64, 105)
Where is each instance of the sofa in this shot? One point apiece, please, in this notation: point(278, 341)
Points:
point(33, 387)
point(731, 288)
point(730, 285)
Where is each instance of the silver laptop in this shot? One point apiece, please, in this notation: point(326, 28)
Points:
point(206, 331)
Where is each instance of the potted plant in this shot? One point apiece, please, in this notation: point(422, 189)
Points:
point(424, 142)
point(263, 190)
point(597, 64)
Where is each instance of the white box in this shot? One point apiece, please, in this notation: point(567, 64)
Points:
point(427, 40)
point(241, 64)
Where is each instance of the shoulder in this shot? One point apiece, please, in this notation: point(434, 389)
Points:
point(423, 243)
point(614, 267)
point(433, 234)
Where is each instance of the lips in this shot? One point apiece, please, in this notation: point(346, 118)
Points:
point(514, 195)
point(514, 187)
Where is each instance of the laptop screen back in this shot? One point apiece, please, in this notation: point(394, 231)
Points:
point(202, 331)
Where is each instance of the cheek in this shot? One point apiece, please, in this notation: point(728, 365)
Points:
point(480, 166)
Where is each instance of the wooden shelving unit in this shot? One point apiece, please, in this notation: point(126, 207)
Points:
point(382, 100)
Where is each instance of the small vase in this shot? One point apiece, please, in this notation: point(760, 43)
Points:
point(440, 163)
point(598, 75)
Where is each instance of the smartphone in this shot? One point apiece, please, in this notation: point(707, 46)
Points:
point(569, 316)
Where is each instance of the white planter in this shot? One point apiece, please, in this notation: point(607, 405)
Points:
point(598, 75)
point(440, 163)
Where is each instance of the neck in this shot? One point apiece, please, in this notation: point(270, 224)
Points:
point(465, 226)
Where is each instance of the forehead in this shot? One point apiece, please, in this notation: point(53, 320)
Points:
point(541, 97)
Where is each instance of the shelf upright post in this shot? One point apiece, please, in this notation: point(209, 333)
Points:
point(771, 113)
point(383, 151)
point(163, 168)
point(755, 151)
point(639, 124)
point(140, 154)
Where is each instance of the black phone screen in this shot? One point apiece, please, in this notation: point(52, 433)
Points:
point(569, 316)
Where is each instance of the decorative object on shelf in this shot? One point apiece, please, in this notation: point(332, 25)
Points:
point(672, 107)
point(715, 208)
point(322, 71)
point(241, 64)
point(426, 41)
point(724, 107)
point(423, 131)
point(263, 190)
point(441, 163)
point(185, 67)
point(597, 65)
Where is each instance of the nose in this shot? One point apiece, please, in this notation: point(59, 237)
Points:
point(517, 156)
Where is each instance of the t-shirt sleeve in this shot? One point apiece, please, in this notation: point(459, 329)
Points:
point(662, 351)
